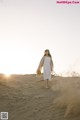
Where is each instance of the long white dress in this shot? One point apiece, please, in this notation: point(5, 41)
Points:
point(47, 68)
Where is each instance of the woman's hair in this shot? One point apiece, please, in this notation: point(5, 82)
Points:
point(48, 53)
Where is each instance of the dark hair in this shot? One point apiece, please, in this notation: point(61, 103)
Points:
point(48, 53)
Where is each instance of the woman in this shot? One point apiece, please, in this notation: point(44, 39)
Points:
point(47, 64)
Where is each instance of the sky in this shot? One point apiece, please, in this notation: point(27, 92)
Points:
point(28, 27)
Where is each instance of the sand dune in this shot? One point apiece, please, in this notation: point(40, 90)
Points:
point(25, 98)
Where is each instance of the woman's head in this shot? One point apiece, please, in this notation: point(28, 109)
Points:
point(47, 53)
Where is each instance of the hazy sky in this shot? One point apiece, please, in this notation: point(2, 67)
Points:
point(28, 27)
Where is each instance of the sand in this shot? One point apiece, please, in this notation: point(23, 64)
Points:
point(25, 98)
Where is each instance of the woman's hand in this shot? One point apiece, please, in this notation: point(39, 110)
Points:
point(38, 72)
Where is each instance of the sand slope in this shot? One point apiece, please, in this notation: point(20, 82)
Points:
point(25, 98)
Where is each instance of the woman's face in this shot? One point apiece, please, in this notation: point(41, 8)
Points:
point(46, 52)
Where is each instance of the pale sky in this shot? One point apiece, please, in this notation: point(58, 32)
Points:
point(28, 27)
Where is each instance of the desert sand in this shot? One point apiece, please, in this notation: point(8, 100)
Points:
point(25, 98)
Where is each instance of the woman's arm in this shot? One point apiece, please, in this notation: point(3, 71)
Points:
point(41, 63)
point(52, 65)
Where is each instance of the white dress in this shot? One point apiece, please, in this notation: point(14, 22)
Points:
point(47, 68)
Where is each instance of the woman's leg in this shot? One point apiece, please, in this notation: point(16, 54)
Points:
point(46, 83)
